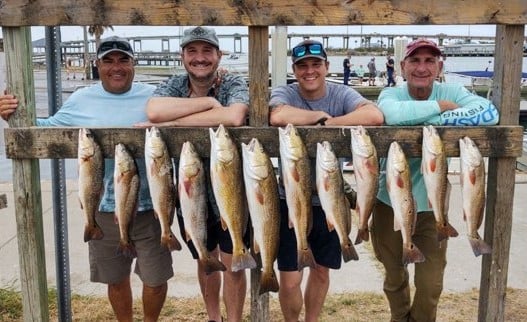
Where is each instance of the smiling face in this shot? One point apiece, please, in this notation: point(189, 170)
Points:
point(201, 60)
point(420, 71)
point(311, 76)
point(116, 71)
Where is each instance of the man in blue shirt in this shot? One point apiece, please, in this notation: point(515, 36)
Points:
point(117, 101)
point(420, 101)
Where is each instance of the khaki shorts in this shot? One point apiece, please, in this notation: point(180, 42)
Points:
point(153, 263)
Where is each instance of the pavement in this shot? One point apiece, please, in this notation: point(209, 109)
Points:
point(462, 272)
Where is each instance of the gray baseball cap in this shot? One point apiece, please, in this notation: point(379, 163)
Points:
point(114, 43)
point(205, 34)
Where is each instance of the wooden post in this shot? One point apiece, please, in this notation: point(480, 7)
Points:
point(26, 178)
point(259, 75)
point(501, 176)
point(3, 201)
point(258, 116)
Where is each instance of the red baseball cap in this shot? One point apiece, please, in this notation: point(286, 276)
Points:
point(421, 43)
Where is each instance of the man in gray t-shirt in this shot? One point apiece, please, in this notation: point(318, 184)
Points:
point(313, 101)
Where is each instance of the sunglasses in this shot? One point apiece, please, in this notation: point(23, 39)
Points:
point(115, 45)
point(313, 49)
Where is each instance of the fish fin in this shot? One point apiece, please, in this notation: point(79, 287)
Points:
point(92, 233)
point(243, 260)
point(306, 259)
point(412, 255)
point(156, 215)
point(256, 247)
point(433, 165)
point(479, 246)
point(294, 174)
point(223, 224)
point(370, 165)
point(170, 241)
point(331, 227)
point(472, 177)
point(396, 225)
point(259, 195)
point(348, 251)
point(399, 181)
point(445, 231)
point(115, 219)
point(268, 282)
point(126, 249)
point(187, 236)
point(363, 234)
point(212, 264)
point(187, 185)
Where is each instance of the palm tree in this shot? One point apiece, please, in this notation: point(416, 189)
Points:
point(94, 31)
point(97, 31)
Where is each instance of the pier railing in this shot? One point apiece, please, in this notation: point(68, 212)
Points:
point(501, 143)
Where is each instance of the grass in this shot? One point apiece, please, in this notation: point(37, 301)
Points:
point(357, 306)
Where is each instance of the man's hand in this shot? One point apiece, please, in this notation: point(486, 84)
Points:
point(8, 105)
point(447, 105)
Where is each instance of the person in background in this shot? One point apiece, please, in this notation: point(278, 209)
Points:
point(117, 101)
point(312, 101)
point(420, 101)
point(347, 68)
point(205, 96)
point(360, 73)
point(390, 69)
point(372, 71)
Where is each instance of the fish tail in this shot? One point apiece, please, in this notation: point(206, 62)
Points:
point(268, 282)
point(170, 241)
point(412, 254)
point(92, 232)
point(363, 234)
point(242, 260)
point(445, 230)
point(348, 251)
point(306, 258)
point(479, 246)
point(126, 249)
point(212, 264)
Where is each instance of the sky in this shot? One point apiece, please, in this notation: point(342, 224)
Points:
point(76, 33)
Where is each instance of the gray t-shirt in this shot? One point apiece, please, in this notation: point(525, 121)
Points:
point(339, 99)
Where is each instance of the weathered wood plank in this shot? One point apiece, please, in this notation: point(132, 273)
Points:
point(26, 180)
point(258, 75)
point(501, 177)
point(260, 13)
point(3, 201)
point(44, 143)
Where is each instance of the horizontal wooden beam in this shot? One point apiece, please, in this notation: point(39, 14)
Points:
point(58, 143)
point(260, 13)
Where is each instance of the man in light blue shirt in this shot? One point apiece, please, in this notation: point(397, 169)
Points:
point(117, 101)
point(421, 101)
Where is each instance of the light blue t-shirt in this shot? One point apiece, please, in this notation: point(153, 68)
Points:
point(94, 107)
point(399, 108)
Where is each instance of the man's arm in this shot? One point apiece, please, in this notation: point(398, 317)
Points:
point(163, 109)
point(365, 114)
point(283, 114)
point(232, 115)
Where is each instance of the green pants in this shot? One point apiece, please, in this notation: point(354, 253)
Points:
point(428, 280)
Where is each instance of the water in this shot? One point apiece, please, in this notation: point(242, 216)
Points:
point(235, 66)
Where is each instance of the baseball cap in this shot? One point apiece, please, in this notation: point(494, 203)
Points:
point(205, 34)
point(112, 44)
point(421, 43)
point(308, 48)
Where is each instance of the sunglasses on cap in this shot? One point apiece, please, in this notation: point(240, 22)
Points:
point(115, 45)
point(313, 49)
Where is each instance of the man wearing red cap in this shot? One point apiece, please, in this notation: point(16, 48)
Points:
point(420, 101)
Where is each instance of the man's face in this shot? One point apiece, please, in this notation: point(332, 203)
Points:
point(311, 73)
point(201, 59)
point(116, 71)
point(421, 69)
